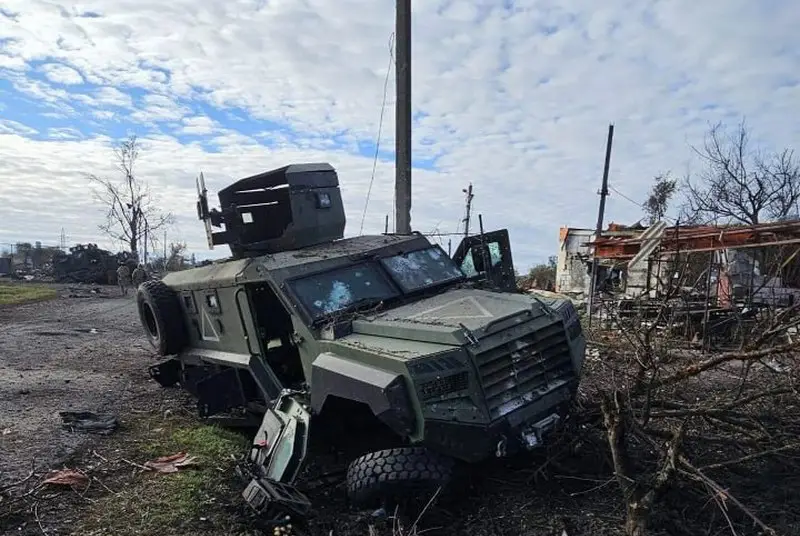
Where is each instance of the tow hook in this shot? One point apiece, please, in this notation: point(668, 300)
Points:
point(501, 451)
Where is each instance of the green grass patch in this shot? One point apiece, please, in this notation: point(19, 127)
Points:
point(13, 294)
point(199, 500)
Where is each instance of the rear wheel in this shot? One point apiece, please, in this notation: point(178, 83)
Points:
point(161, 316)
point(395, 475)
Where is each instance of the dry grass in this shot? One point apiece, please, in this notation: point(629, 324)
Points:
point(195, 500)
point(17, 293)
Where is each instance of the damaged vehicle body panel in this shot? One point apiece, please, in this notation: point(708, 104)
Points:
point(442, 351)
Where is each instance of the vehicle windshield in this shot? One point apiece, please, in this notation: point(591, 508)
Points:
point(329, 292)
point(422, 269)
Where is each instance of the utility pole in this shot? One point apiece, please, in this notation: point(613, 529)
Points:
point(599, 229)
point(402, 185)
point(468, 191)
point(165, 249)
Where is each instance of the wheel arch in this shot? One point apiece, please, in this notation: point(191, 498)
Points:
point(385, 393)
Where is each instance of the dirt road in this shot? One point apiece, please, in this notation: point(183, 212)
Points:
point(83, 351)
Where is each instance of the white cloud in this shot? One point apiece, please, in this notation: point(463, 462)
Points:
point(13, 127)
point(105, 115)
point(198, 125)
point(110, 96)
point(65, 133)
point(158, 108)
point(516, 101)
point(61, 74)
point(11, 62)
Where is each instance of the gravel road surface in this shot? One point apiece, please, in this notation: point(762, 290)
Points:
point(82, 351)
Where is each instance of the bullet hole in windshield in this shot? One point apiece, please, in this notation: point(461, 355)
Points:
point(338, 297)
point(422, 268)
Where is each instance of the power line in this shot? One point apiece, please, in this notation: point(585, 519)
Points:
point(625, 197)
point(637, 203)
point(380, 128)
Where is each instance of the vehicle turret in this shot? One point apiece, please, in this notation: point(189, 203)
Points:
point(288, 208)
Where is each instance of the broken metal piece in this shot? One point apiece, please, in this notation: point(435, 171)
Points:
point(276, 502)
point(166, 373)
point(533, 435)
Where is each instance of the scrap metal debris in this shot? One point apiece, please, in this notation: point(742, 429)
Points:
point(171, 464)
point(87, 421)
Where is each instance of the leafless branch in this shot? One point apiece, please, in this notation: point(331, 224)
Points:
point(739, 184)
point(131, 214)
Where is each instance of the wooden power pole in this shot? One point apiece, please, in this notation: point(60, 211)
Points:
point(599, 229)
point(468, 213)
point(402, 186)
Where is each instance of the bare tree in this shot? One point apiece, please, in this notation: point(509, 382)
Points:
point(741, 185)
point(177, 256)
point(657, 203)
point(130, 211)
point(175, 259)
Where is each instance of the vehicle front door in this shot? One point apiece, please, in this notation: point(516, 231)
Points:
point(488, 257)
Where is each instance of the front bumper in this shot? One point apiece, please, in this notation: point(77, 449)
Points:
point(520, 430)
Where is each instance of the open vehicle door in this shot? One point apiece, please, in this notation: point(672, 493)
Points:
point(488, 256)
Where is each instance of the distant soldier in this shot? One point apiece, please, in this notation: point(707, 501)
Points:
point(123, 278)
point(139, 276)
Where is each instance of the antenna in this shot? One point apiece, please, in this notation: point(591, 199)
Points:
point(202, 208)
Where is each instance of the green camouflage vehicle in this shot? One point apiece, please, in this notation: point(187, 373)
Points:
point(444, 352)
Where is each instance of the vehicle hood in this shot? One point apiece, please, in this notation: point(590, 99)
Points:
point(441, 319)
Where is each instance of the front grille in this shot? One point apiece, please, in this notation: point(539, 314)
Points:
point(519, 371)
point(444, 385)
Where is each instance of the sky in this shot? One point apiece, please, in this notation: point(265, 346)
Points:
point(514, 97)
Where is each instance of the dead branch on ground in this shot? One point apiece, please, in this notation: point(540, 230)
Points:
point(715, 425)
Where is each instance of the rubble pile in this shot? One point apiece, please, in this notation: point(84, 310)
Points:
point(87, 263)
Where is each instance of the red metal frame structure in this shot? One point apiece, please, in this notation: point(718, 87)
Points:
point(703, 238)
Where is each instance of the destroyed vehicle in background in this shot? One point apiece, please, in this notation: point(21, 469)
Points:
point(444, 352)
point(87, 263)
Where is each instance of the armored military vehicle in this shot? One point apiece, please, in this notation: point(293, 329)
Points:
point(443, 351)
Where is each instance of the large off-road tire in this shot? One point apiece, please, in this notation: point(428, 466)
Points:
point(396, 475)
point(161, 316)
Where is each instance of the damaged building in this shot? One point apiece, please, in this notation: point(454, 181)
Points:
point(575, 257)
point(741, 264)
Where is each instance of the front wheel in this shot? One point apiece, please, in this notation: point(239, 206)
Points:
point(395, 475)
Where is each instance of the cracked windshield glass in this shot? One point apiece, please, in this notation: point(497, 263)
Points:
point(329, 292)
point(422, 268)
